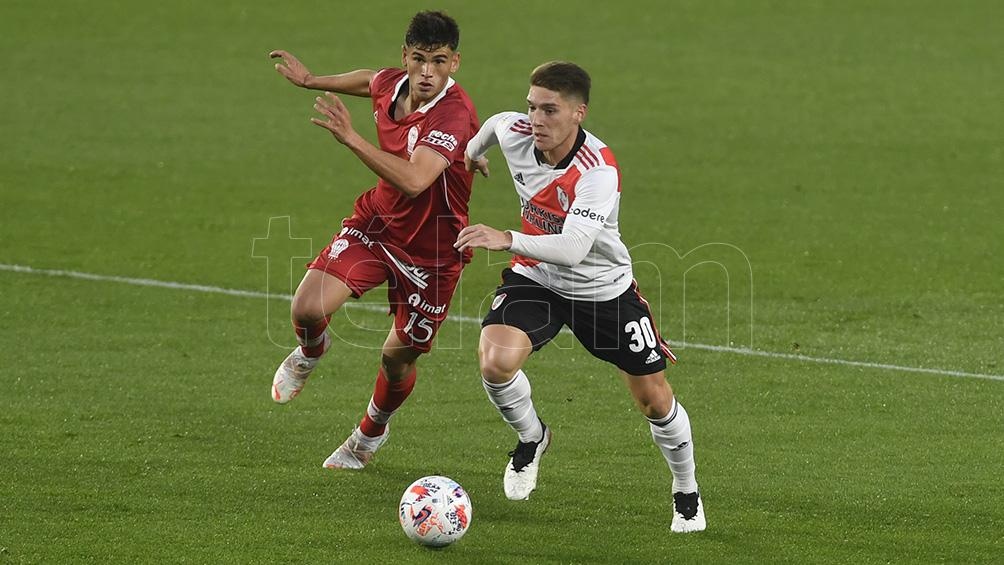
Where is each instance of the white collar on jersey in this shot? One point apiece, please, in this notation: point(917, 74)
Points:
point(428, 105)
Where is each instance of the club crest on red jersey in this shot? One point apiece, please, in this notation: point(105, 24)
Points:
point(412, 139)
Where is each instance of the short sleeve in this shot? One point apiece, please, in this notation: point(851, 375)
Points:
point(382, 81)
point(446, 130)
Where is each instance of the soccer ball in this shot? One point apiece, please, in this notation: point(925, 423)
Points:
point(435, 511)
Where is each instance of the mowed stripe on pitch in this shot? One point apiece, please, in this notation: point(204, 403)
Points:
point(467, 319)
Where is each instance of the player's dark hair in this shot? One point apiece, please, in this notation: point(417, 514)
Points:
point(567, 79)
point(432, 30)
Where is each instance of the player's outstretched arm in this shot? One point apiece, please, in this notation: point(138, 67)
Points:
point(410, 177)
point(355, 83)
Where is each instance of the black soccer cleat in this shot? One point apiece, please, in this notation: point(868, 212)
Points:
point(520, 476)
point(688, 512)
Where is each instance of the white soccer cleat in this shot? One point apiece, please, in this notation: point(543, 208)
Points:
point(292, 375)
point(356, 451)
point(688, 513)
point(521, 472)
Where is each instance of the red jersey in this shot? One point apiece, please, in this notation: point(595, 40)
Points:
point(424, 228)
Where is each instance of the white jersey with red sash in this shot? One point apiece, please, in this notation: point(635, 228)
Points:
point(584, 187)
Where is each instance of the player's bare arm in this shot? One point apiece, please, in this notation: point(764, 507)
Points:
point(410, 177)
point(355, 83)
point(480, 236)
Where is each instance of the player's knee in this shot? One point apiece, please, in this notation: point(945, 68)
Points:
point(655, 407)
point(498, 365)
point(305, 311)
point(654, 401)
point(395, 369)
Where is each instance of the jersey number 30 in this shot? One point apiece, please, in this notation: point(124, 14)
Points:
point(642, 334)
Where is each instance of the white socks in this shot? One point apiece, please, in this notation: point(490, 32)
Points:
point(672, 435)
point(514, 404)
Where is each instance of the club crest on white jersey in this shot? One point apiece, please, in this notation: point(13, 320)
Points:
point(562, 199)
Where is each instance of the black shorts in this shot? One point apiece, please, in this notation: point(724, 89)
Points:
point(620, 331)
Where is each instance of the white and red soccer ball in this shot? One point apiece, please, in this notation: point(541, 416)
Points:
point(435, 511)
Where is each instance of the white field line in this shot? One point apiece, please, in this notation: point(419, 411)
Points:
point(468, 319)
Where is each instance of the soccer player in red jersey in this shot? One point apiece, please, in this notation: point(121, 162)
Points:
point(400, 231)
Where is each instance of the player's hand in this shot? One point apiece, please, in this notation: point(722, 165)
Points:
point(291, 68)
point(484, 237)
point(479, 165)
point(337, 119)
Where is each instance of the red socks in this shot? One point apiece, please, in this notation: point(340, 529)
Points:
point(311, 338)
point(388, 396)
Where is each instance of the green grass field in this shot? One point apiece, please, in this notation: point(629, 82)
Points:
point(832, 174)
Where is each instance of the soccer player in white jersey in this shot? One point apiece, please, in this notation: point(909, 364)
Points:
point(571, 268)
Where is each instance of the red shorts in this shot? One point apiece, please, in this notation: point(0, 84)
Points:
point(419, 296)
